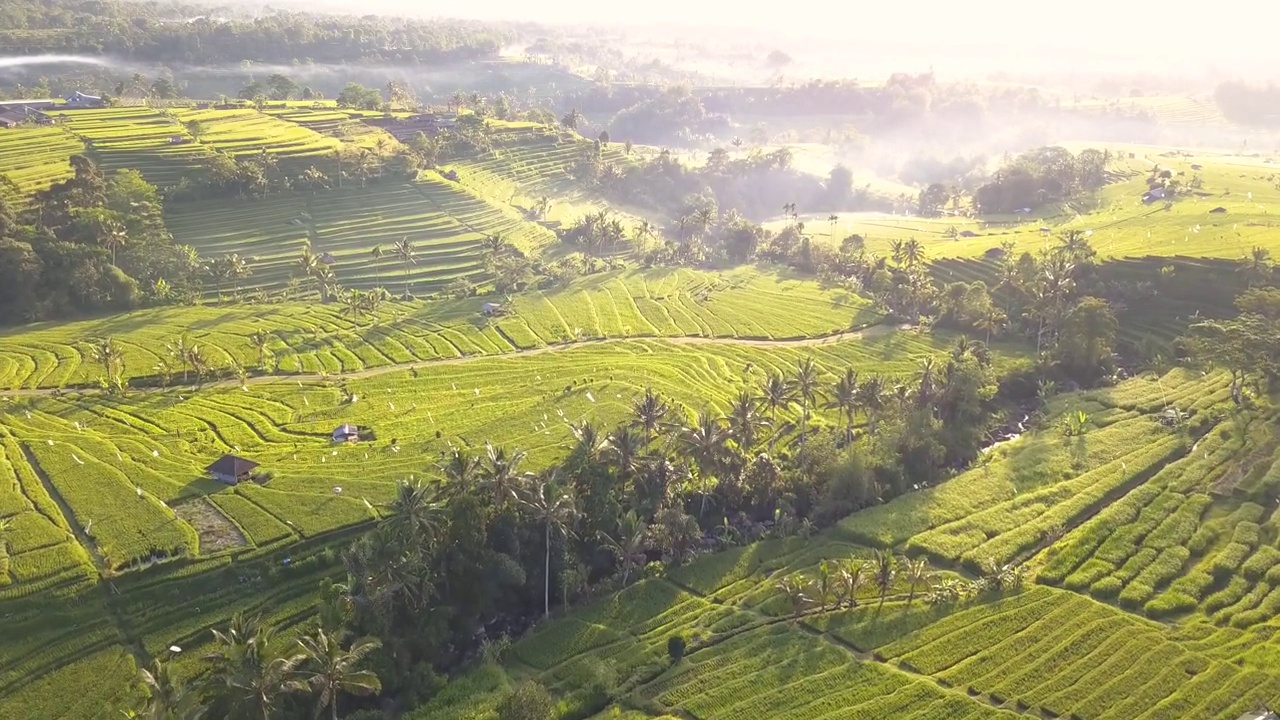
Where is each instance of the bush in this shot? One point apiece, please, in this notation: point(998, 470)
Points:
point(675, 648)
point(529, 701)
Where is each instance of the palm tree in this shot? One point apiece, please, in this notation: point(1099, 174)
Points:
point(166, 698)
point(376, 253)
point(885, 568)
point(912, 253)
point(180, 351)
point(794, 590)
point(555, 509)
point(871, 397)
point(745, 420)
point(261, 340)
point(247, 677)
point(805, 383)
point(404, 250)
point(237, 268)
point(328, 670)
point(850, 577)
point(844, 399)
point(417, 512)
point(108, 354)
point(650, 411)
point(308, 265)
point(917, 574)
point(625, 446)
point(461, 470)
point(354, 303)
point(590, 441)
point(629, 543)
point(113, 237)
point(501, 473)
point(776, 393)
point(825, 580)
point(199, 363)
point(991, 321)
point(704, 441)
point(1256, 266)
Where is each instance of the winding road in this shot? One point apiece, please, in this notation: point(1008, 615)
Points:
point(869, 332)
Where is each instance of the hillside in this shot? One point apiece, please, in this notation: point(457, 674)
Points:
point(1128, 522)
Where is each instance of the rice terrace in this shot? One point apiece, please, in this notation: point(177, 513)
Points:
point(372, 366)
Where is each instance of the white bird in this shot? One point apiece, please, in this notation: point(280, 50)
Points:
point(306, 402)
point(119, 457)
point(78, 460)
point(175, 649)
point(138, 490)
point(50, 442)
point(477, 392)
point(591, 397)
point(78, 425)
point(455, 386)
point(155, 453)
point(367, 504)
point(391, 405)
point(323, 458)
point(355, 399)
point(395, 449)
point(337, 490)
point(28, 412)
point(335, 452)
point(236, 447)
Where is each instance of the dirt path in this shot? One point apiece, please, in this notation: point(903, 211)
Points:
point(870, 332)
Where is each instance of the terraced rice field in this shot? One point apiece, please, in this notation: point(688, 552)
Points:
point(320, 338)
point(1128, 487)
point(35, 157)
point(139, 138)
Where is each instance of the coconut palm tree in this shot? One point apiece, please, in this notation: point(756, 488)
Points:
point(328, 671)
point(805, 383)
point(590, 441)
point(990, 321)
point(704, 441)
point(912, 253)
point(885, 568)
point(871, 397)
point(844, 399)
point(354, 302)
point(261, 341)
point(180, 351)
point(745, 420)
point(461, 470)
point(850, 576)
point(417, 512)
point(377, 254)
point(247, 677)
point(167, 699)
point(650, 410)
point(555, 509)
point(237, 268)
point(108, 354)
point(627, 543)
point(624, 447)
point(501, 473)
point(826, 582)
point(113, 236)
point(774, 394)
point(794, 588)
point(1256, 266)
point(199, 363)
point(917, 574)
point(404, 250)
point(307, 266)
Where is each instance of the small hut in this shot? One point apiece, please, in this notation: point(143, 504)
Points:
point(492, 309)
point(232, 469)
point(346, 433)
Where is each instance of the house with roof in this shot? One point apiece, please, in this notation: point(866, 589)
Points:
point(346, 432)
point(80, 100)
point(232, 469)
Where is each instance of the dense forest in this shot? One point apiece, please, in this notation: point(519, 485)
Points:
point(189, 34)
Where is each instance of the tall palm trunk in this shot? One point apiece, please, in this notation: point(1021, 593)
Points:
point(406, 278)
point(546, 580)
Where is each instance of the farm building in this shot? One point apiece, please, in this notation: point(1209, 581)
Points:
point(80, 100)
point(346, 433)
point(9, 118)
point(232, 469)
point(21, 105)
point(491, 309)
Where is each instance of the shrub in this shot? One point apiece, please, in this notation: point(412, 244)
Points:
point(1261, 562)
point(529, 701)
point(675, 648)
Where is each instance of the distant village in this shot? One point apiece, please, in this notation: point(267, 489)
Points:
point(41, 112)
